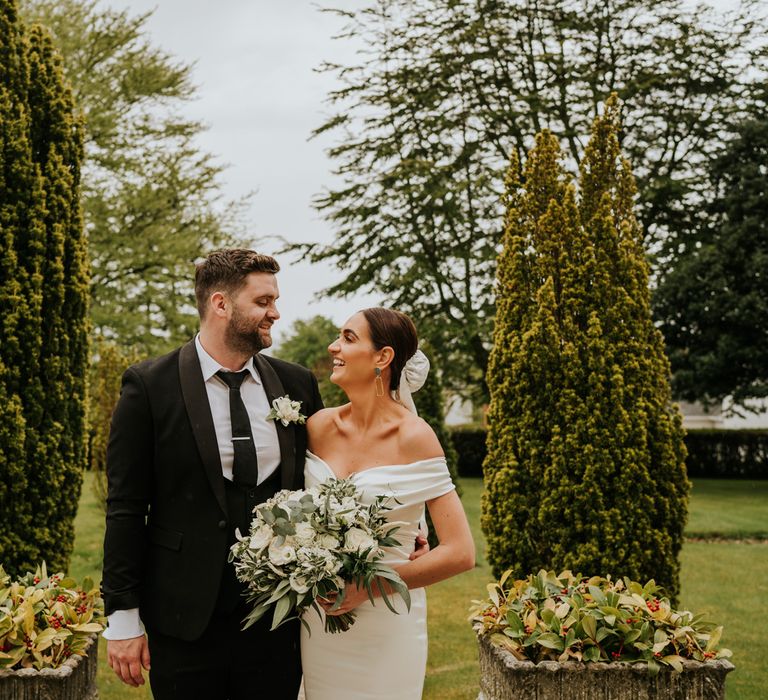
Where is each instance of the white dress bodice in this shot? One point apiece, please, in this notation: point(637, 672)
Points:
point(382, 656)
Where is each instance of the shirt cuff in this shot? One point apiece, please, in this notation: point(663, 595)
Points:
point(124, 624)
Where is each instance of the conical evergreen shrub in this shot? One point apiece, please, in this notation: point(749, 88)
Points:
point(585, 467)
point(43, 302)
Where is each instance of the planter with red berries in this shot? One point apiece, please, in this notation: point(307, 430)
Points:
point(48, 629)
point(556, 637)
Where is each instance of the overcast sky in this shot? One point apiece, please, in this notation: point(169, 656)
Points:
point(261, 98)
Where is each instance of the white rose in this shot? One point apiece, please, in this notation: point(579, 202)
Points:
point(349, 503)
point(287, 411)
point(281, 554)
point(305, 533)
point(332, 563)
point(328, 542)
point(261, 537)
point(358, 540)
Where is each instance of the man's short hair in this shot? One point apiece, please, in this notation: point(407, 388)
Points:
point(226, 270)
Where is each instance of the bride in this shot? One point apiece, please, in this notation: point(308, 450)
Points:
point(379, 441)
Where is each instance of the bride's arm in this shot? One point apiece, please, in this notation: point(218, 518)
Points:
point(454, 554)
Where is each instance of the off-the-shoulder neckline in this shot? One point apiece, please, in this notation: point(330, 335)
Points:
point(370, 469)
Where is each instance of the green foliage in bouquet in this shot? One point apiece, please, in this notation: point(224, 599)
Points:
point(43, 302)
point(46, 619)
point(567, 617)
point(585, 467)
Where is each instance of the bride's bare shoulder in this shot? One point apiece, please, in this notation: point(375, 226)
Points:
point(323, 420)
point(418, 441)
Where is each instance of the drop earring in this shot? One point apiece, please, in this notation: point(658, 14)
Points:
point(379, 382)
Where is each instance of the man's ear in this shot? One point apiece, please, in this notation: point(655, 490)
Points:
point(218, 303)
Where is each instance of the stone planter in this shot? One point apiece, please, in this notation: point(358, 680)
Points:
point(73, 680)
point(503, 677)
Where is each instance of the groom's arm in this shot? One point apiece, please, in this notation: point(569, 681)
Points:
point(129, 467)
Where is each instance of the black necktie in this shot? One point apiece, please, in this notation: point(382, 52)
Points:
point(245, 467)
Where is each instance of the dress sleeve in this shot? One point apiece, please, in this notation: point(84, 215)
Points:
point(424, 481)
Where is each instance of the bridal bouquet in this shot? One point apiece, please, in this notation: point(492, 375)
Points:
point(309, 543)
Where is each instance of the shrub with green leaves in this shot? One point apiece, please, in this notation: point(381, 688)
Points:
point(586, 463)
point(567, 617)
point(44, 620)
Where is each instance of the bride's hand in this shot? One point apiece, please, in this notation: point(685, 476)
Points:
point(353, 597)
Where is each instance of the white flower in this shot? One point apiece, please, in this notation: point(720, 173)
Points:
point(349, 503)
point(260, 537)
point(298, 583)
point(286, 411)
point(327, 541)
point(282, 554)
point(358, 540)
point(305, 534)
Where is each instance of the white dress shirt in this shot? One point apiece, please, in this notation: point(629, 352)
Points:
point(125, 624)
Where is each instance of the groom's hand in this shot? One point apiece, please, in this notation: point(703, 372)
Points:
point(421, 547)
point(127, 657)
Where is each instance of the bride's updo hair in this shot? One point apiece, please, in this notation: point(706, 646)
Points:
point(393, 328)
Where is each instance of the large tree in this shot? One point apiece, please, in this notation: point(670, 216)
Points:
point(43, 301)
point(150, 195)
point(585, 466)
point(444, 91)
point(713, 303)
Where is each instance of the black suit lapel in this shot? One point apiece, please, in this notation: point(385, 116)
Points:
point(199, 412)
point(285, 433)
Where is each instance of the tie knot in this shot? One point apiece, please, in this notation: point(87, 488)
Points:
point(232, 379)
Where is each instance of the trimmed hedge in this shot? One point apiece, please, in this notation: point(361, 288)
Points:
point(712, 454)
point(469, 441)
point(727, 454)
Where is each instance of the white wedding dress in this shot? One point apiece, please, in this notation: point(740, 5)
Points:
point(382, 656)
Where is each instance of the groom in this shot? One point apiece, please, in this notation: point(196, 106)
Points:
point(183, 475)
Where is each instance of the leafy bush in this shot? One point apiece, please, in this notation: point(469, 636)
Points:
point(431, 407)
point(567, 617)
point(46, 619)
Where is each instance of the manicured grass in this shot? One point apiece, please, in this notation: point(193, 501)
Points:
point(728, 581)
point(724, 507)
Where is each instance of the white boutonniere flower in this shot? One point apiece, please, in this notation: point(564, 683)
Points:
point(286, 411)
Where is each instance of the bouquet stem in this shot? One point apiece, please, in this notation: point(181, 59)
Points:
point(339, 623)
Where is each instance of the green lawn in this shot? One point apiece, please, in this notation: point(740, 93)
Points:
point(737, 600)
point(731, 508)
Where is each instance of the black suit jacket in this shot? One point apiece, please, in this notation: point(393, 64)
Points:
point(166, 540)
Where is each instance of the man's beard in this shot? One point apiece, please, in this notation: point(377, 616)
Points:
point(242, 337)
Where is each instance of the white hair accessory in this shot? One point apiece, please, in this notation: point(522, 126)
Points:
point(412, 378)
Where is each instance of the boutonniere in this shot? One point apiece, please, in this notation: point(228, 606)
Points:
point(286, 411)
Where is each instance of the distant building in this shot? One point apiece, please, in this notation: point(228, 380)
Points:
point(695, 416)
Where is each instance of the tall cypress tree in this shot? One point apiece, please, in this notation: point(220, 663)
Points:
point(585, 467)
point(43, 301)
